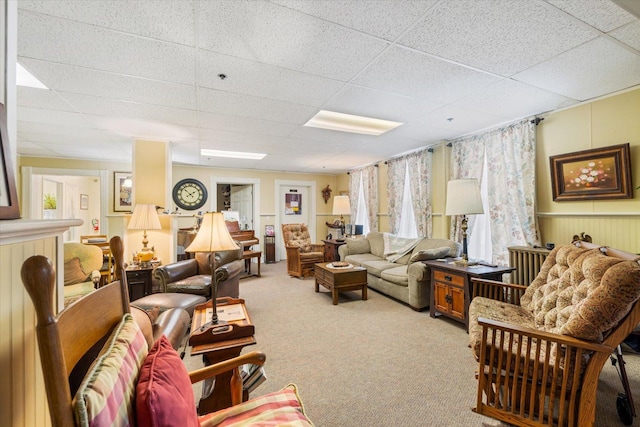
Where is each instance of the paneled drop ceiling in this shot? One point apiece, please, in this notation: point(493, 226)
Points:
point(121, 70)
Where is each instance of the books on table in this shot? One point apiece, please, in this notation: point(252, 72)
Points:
point(252, 376)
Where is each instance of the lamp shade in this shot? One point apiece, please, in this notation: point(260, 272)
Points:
point(341, 205)
point(463, 197)
point(145, 217)
point(213, 235)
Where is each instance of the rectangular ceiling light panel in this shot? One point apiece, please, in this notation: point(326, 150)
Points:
point(350, 123)
point(231, 154)
point(25, 78)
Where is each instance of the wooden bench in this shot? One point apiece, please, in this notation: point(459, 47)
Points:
point(247, 256)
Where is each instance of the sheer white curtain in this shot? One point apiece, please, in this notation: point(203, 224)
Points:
point(509, 181)
point(363, 194)
point(409, 188)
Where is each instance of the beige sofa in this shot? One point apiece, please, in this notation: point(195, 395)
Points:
point(406, 279)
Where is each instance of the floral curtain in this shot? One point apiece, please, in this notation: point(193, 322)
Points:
point(369, 177)
point(510, 154)
point(396, 169)
point(418, 165)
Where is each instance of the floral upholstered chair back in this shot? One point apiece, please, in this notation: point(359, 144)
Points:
point(297, 235)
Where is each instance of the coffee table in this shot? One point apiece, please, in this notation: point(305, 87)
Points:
point(341, 279)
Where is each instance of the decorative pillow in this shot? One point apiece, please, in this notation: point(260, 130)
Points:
point(282, 407)
point(164, 395)
point(73, 272)
point(427, 254)
point(105, 396)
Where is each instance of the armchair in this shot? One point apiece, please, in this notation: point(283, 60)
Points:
point(81, 270)
point(541, 348)
point(124, 382)
point(193, 276)
point(302, 255)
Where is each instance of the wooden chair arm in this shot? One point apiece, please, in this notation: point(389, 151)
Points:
point(317, 247)
point(541, 335)
point(255, 357)
point(499, 291)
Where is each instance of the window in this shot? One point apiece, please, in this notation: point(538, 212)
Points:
point(407, 226)
point(362, 215)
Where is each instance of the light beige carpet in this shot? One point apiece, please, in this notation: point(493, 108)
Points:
point(375, 362)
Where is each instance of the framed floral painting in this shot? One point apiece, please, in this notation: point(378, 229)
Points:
point(598, 174)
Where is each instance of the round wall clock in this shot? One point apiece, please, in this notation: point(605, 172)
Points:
point(189, 194)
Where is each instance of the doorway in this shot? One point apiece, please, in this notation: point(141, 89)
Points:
point(295, 204)
point(64, 194)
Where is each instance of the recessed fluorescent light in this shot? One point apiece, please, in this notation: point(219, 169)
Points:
point(231, 154)
point(25, 78)
point(350, 123)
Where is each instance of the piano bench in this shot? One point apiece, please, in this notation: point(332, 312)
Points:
point(246, 256)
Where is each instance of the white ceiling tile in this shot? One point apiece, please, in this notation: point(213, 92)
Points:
point(245, 124)
point(171, 21)
point(264, 81)
point(601, 14)
point(88, 46)
point(593, 69)
point(501, 36)
point(509, 98)
point(38, 98)
point(422, 76)
point(363, 101)
point(72, 79)
point(217, 101)
point(288, 39)
point(628, 34)
point(144, 129)
point(464, 121)
point(385, 19)
point(235, 138)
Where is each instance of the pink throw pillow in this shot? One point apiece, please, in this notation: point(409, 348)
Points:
point(164, 396)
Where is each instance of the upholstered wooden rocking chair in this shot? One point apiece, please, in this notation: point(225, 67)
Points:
point(302, 255)
point(98, 368)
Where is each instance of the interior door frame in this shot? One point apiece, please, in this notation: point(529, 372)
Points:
point(311, 186)
point(27, 185)
point(215, 180)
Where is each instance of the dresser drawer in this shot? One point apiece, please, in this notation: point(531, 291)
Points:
point(448, 277)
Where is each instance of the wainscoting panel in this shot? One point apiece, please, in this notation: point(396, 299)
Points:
point(618, 231)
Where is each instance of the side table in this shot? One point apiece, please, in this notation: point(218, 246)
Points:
point(331, 249)
point(269, 249)
point(451, 287)
point(139, 281)
point(216, 393)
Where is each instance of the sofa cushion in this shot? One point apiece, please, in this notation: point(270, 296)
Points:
point(455, 248)
point(358, 246)
point(397, 275)
point(311, 255)
point(360, 259)
point(73, 272)
point(201, 281)
point(164, 393)
point(376, 242)
point(377, 266)
point(427, 254)
point(106, 395)
point(280, 408)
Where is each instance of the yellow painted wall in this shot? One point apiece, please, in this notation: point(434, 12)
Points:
point(609, 121)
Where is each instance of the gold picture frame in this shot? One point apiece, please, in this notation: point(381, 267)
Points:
point(597, 174)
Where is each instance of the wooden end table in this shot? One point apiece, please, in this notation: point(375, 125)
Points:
point(216, 394)
point(451, 287)
point(341, 279)
point(331, 249)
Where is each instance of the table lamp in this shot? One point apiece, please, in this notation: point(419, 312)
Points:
point(341, 206)
point(213, 237)
point(463, 198)
point(145, 217)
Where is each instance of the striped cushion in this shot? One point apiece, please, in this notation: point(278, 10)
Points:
point(105, 397)
point(280, 408)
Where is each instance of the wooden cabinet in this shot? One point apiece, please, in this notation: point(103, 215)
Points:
point(269, 249)
point(139, 282)
point(331, 250)
point(451, 287)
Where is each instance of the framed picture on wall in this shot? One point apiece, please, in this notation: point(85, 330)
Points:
point(8, 196)
point(122, 191)
point(84, 201)
point(598, 174)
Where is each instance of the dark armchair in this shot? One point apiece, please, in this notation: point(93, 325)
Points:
point(193, 276)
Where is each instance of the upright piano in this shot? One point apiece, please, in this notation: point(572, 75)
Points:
point(246, 238)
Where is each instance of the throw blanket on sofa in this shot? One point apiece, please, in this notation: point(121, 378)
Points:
point(396, 247)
